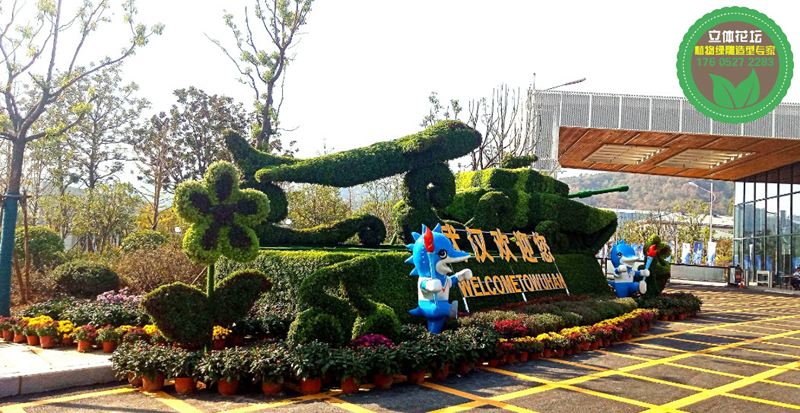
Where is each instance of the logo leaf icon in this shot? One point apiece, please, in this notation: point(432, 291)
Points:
point(729, 96)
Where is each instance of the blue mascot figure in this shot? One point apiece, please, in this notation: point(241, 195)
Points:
point(432, 254)
point(623, 257)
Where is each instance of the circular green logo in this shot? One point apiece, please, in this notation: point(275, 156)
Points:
point(735, 65)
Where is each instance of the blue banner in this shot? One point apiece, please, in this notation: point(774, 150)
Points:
point(698, 253)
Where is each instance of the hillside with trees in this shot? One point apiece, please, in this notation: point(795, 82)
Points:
point(650, 192)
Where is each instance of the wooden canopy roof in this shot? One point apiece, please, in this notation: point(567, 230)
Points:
point(721, 157)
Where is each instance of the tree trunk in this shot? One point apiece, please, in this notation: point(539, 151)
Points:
point(156, 196)
point(10, 203)
point(23, 299)
point(27, 240)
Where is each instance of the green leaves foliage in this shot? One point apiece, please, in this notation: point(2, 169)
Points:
point(221, 215)
point(186, 315)
point(735, 97)
point(85, 279)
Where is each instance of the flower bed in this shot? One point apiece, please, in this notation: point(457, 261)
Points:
point(370, 359)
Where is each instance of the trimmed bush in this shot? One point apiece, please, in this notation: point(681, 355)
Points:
point(235, 295)
point(383, 321)
point(44, 246)
point(514, 162)
point(85, 279)
point(313, 325)
point(659, 268)
point(390, 283)
point(369, 229)
point(182, 313)
point(143, 239)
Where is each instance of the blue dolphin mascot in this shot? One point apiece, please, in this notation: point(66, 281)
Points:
point(432, 254)
point(623, 257)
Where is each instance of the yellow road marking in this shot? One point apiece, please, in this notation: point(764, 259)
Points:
point(350, 407)
point(695, 398)
point(67, 398)
point(475, 398)
point(459, 408)
point(173, 403)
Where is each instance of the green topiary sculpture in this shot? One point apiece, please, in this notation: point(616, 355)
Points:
point(429, 183)
point(659, 268)
point(221, 216)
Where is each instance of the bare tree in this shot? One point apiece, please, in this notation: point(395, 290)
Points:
point(40, 66)
point(262, 69)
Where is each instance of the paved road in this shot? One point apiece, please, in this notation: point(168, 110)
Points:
point(741, 354)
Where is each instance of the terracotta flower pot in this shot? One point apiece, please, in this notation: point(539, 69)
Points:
point(109, 346)
point(607, 342)
point(185, 385)
point(511, 358)
point(503, 361)
point(596, 344)
point(84, 346)
point(536, 356)
point(547, 353)
point(218, 344)
point(441, 374)
point(664, 318)
point(46, 341)
point(672, 317)
point(681, 316)
point(310, 386)
point(349, 386)
point(523, 356)
point(8, 335)
point(560, 352)
point(568, 351)
point(627, 336)
point(20, 338)
point(68, 341)
point(586, 345)
point(227, 388)
point(151, 386)
point(33, 340)
point(494, 362)
point(134, 380)
point(576, 349)
point(416, 377)
point(383, 381)
point(464, 368)
point(479, 362)
point(271, 389)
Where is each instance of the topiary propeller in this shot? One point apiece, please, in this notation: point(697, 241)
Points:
point(222, 217)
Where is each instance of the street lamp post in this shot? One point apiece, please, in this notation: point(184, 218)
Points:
point(538, 119)
point(710, 209)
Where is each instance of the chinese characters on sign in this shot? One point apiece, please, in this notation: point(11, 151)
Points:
point(506, 284)
point(501, 241)
point(739, 50)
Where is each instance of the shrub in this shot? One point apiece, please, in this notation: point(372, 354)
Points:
point(311, 360)
point(235, 295)
point(143, 239)
point(182, 313)
point(85, 333)
point(100, 314)
point(52, 308)
point(510, 328)
point(313, 325)
point(270, 363)
point(349, 363)
point(146, 269)
point(85, 279)
point(382, 321)
point(180, 363)
point(44, 246)
point(229, 364)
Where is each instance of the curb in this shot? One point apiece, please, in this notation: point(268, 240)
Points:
point(56, 380)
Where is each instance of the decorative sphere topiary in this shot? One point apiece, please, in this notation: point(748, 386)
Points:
point(85, 279)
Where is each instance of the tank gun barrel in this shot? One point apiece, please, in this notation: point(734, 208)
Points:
point(586, 194)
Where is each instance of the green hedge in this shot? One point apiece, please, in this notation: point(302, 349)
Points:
point(143, 239)
point(44, 245)
point(85, 279)
point(394, 287)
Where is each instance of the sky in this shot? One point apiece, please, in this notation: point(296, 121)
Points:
point(364, 69)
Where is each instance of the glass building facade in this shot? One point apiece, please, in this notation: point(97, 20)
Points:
point(767, 226)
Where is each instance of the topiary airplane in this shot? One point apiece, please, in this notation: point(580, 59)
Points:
point(222, 216)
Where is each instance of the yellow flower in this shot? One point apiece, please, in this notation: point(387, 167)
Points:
point(150, 329)
point(221, 333)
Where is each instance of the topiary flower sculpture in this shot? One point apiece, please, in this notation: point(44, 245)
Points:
point(222, 216)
